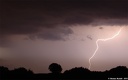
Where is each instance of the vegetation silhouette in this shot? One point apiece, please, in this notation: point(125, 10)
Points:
point(79, 73)
point(55, 68)
point(56, 71)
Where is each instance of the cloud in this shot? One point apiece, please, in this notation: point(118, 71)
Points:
point(4, 42)
point(57, 33)
point(51, 20)
point(101, 28)
point(89, 37)
point(110, 22)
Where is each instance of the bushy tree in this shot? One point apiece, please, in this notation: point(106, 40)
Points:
point(55, 68)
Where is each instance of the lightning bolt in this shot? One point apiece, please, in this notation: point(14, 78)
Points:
point(97, 46)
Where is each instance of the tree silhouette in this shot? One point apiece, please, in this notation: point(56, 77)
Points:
point(119, 71)
point(55, 68)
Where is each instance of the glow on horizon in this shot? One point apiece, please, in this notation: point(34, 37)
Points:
point(97, 46)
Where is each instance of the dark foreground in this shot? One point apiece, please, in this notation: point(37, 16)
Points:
point(79, 73)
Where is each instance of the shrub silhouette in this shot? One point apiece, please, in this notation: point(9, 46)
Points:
point(20, 70)
point(119, 71)
point(3, 69)
point(55, 68)
point(20, 73)
point(77, 73)
point(77, 70)
point(4, 72)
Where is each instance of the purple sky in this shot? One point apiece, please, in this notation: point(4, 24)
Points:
point(34, 33)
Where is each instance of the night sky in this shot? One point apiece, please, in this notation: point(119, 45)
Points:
point(36, 33)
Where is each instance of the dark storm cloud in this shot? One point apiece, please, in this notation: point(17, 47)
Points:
point(77, 20)
point(31, 16)
point(52, 33)
point(4, 42)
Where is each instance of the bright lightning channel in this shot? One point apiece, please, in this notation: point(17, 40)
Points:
point(97, 46)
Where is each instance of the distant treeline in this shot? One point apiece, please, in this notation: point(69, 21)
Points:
point(117, 73)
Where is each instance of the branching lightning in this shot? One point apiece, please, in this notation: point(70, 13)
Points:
point(97, 46)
